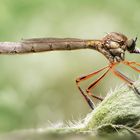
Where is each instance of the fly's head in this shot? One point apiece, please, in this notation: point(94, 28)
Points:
point(115, 44)
point(131, 46)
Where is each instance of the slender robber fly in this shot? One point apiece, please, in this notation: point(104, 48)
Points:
point(113, 46)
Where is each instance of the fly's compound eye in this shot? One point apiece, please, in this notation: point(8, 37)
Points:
point(131, 44)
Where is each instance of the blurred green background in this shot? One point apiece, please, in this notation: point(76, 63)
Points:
point(37, 89)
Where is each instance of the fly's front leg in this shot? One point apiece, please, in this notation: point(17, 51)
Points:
point(126, 79)
point(131, 64)
point(82, 78)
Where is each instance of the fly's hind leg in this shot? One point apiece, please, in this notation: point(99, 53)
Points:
point(85, 95)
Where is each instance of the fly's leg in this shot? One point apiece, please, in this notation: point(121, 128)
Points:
point(88, 100)
point(83, 78)
point(131, 64)
point(126, 79)
point(94, 84)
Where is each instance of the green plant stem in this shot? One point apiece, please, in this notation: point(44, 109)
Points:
point(119, 114)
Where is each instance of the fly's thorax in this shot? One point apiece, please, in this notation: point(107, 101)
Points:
point(115, 45)
point(116, 50)
point(112, 50)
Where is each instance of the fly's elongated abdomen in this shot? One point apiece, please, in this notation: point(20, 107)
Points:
point(47, 44)
point(52, 44)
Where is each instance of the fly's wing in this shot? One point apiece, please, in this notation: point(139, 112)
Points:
point(116, 37)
